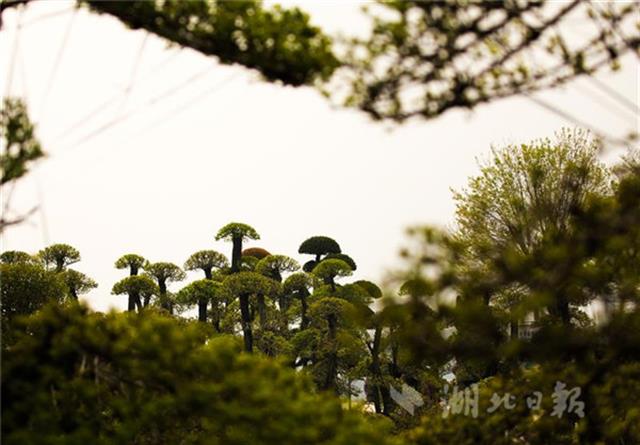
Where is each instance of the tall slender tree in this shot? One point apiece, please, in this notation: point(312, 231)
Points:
point(132, 262)
point(139, 288)
point(237, 233)
point(164, 273)
point(206, 261)
point(59, 256)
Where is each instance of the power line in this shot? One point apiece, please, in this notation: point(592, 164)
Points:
point(576, 121)
point(134, 71)
point(104, 105)
point(184, 106)
point(56, 65)
point(165, 94)
point(14, 53)
point(614, 94)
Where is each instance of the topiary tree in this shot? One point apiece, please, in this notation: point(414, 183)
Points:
point(273, 266)
point(139, 288)
point(206, 261)
point(319, 246)
point(78, 283)
point(256, 252)
point(297, 285)
point(16, 256)
point(332, 320)
point(203, 292)
point(132, 262)
point(164, 273)
point(237, 233)
point(243, 285)
point(344, 257)
point(328, 270)
point(59, 255)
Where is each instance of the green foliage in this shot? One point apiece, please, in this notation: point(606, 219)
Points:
point(132, 262)
point(341, 256)
point(59, 255)
point(75, 377)
point(16, 256)
point(78, 283)
point(249, 283)
point(526, 192)
point(206, 260)
point(328, 270)
point(280, 43)
point(319, 245)
point(237, 230)
point(139, 288)
point(273, 266)
point(26, 288)
point(165, 272)
point(424, 58)
point(20, 146)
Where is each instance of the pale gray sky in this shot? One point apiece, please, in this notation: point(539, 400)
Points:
point(142, 177)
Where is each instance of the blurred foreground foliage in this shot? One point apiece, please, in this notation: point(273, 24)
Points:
point(73, 377)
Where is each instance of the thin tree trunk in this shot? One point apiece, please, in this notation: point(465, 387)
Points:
point(236, 255)
point(246, 323)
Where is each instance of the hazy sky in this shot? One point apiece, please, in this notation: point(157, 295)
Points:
point(195, 145)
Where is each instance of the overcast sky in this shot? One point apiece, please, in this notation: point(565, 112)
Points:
point(194, 145)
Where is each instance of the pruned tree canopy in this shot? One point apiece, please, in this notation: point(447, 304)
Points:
point(165, 272)
point(332, 268)
point(141, 285)
point(273, 266)
point(132, 262)
point(206, 260)
point(344, 257)
point(237, 230)
point(59, 255)
point(200, 290)
point(319, 245)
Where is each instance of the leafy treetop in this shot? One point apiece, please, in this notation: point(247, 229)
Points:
point(16, 256)
point(78, 283)
point(237, 230)
point(136, 284)
point(273, 266)
point(59, 255)
point(319, 245)
point(131, 261)
point(206, 260)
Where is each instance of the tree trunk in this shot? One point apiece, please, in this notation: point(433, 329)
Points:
point(138, 303)
point(304, 322)
point(332, 368)
point(202, 310)
point(246, 323)
point(236, 254)
point(262, 311)
point(131, 306)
